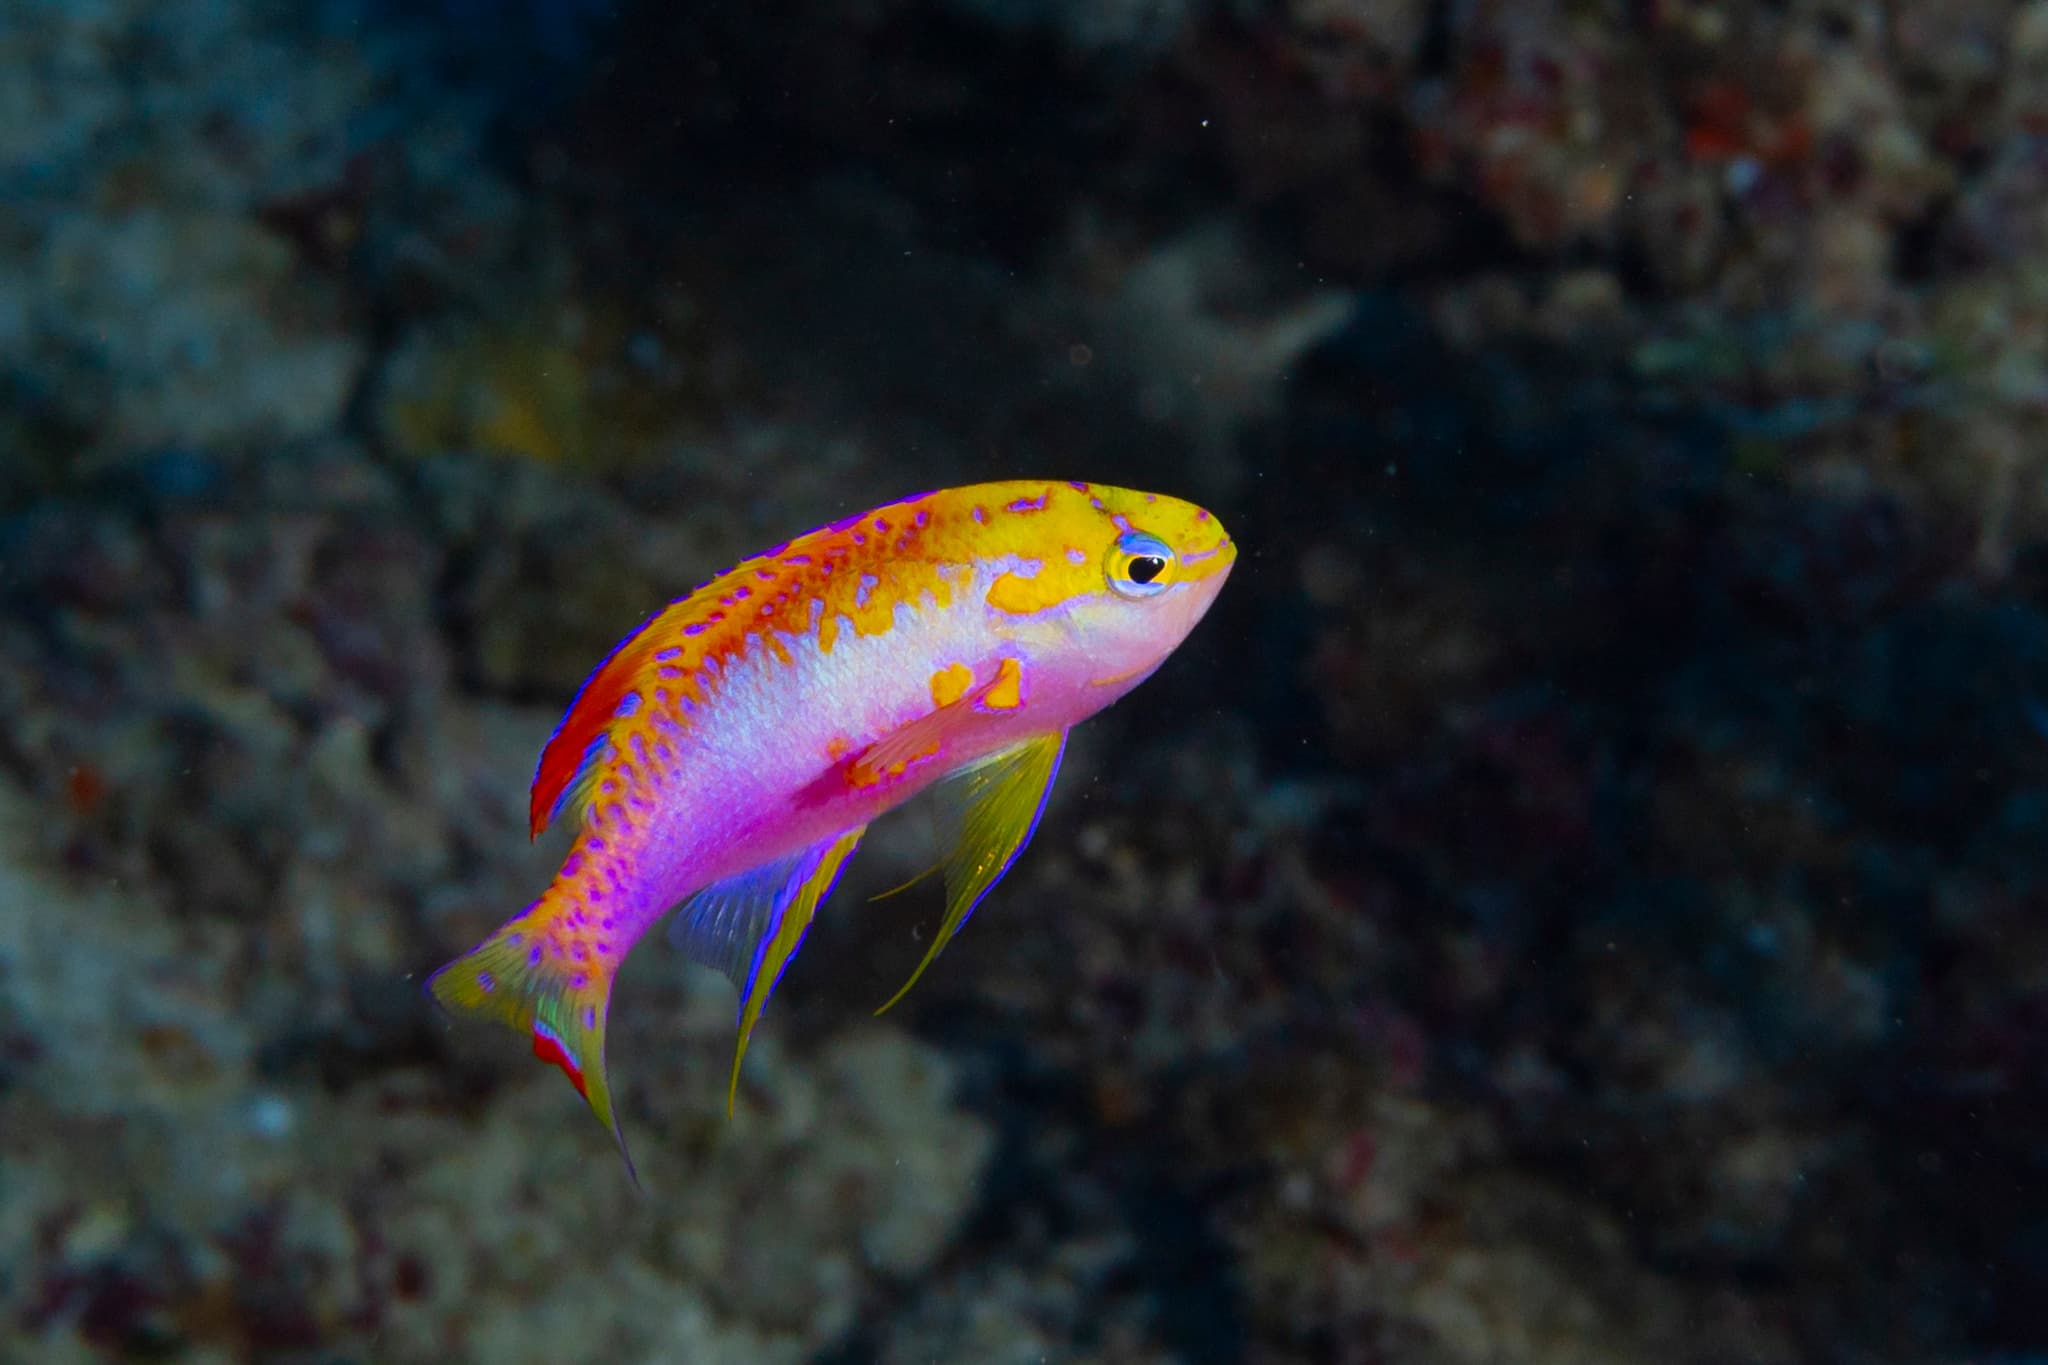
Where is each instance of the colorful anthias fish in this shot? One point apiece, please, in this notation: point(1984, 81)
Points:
point(726, 758)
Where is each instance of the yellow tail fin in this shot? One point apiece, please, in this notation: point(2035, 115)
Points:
point(522, 977)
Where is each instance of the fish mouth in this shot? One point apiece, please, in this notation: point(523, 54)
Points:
point(1202, 563)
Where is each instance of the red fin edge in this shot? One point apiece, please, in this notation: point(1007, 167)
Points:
point(548, 1048)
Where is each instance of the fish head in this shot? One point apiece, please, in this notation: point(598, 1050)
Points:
point(1117, 578)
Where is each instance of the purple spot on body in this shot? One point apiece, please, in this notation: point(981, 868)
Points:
point(742, 593)
point(590, 1016)
point(515, 938)
point(696, 628)
point(1036, 504)
point(486, 983)
point(798, 559)
point(597, 846)
point(1076, 486)
point(596, 896)
point(628, 704)
point(859, 539)
point(533, 956)
point(882, 526)
point(715, 616)
point(668, 671)
point(663, 655)
point(1076, 556)
point(980, 514)
point(1121, 522)
point(580, 982)
point(922, 519)
point(765, 575)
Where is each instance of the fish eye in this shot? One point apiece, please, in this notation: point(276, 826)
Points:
point(1140, 565)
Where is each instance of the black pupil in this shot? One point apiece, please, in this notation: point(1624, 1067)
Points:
point(1145, 568)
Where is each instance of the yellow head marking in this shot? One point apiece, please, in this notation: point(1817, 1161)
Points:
point(1070, 540)
point(1021, 593)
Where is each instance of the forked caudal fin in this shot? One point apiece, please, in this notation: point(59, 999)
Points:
point(517, 979)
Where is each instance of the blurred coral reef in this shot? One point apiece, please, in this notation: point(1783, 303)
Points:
point(1580, 899)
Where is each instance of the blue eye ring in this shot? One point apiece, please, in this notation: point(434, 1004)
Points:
point(1140, 565)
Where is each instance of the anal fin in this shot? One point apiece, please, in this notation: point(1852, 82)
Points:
point(750, 926)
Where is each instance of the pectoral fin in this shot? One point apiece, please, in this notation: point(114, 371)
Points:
point(993, 807)
point(926, 739)
point(750, 926)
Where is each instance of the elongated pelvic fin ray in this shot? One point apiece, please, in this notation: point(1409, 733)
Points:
point(511, 978)
point(750, 926)
point(995, 806)
point(901, 887)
